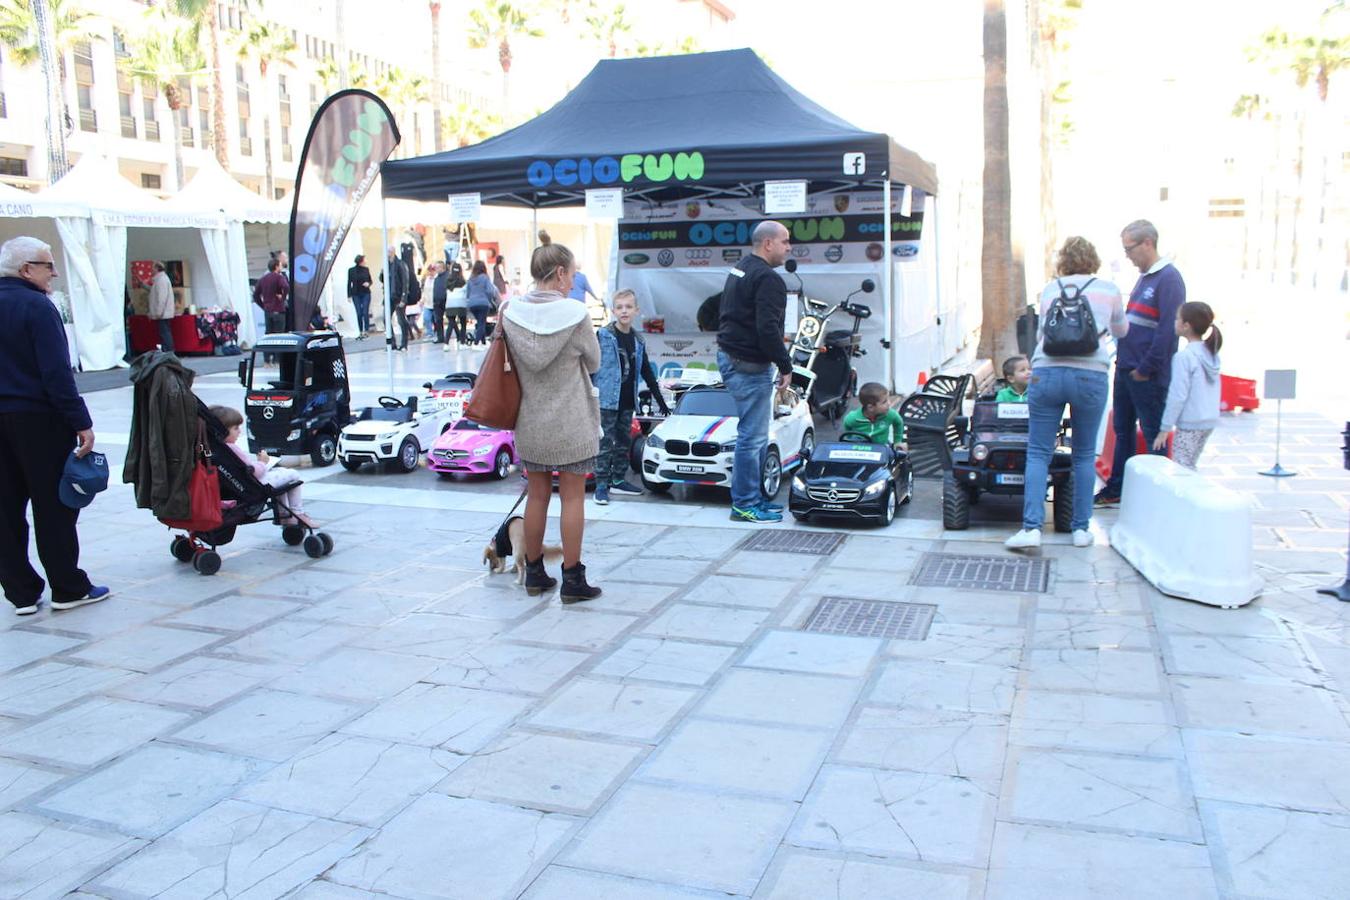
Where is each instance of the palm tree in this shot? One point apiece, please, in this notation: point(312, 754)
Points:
point(206, 11)
point(402, 91)
point(686, 44)
point(168, 48)
point(22, 31)
point(267, 43)
point(331, 74)
point(1053, 21)
point(435, 8)
point(606, 25)
point(469, 123)
point(499, 21)
point(998, 334)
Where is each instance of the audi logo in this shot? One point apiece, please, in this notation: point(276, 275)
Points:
point(698, 254)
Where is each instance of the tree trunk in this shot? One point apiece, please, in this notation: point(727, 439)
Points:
point(1043, 49)
point(436, 122)
point(1298, 198)
point(220, 138)
point(57, 163)
point(998, 335)
point(267, 155)
point(177, 146)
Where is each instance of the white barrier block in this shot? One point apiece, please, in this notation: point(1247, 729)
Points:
point(1188, 536)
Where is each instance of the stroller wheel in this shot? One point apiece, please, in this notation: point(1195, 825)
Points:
point(327, 542)
point(292, 535)
point(182, 549)
point(207, 562)
point(313, 546)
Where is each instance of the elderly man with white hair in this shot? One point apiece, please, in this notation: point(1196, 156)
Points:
point(42, 418)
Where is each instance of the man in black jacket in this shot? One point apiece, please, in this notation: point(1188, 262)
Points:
point(358, 289)
point(750, 346)
point(42, 417)
point(439, 288)
point(397, 294)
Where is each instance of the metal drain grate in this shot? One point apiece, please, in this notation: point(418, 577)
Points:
point(815, 543)
point(871, 618)
point(982, 573)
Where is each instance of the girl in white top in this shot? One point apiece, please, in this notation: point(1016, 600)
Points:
point(1193, 394)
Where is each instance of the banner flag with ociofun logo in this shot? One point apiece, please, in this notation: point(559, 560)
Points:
point(351, 136)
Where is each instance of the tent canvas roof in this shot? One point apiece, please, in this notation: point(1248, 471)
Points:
point(19, 204)
point(213, 190)
point(747, 124)
point(95, 184)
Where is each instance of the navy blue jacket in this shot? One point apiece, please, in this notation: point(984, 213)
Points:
point(1152, 314)
point(754, 307)
point(35, 371)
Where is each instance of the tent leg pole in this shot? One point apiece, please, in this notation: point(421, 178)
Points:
point(388, 283)
point(888, 295)
point(930, 210)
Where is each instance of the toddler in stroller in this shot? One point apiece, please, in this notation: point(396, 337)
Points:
point(266, 470)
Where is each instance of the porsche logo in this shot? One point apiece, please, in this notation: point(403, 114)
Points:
point(268, 412)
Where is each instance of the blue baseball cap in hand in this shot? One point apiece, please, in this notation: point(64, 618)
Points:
point(82, 479)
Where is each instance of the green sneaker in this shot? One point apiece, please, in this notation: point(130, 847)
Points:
point(755, 514)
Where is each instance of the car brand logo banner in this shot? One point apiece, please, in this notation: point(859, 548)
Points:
point(351, 136)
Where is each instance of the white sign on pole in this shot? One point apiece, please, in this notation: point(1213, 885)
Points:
point(784, 197)
point(465, 207)
point(604, 203)
point(1280, 384)
point(855, 163)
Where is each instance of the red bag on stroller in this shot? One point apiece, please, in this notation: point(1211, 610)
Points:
point(203, 491)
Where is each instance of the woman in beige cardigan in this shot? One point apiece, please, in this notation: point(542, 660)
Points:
point(552, 344)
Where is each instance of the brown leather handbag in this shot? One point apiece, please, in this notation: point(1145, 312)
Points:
point(495, 401)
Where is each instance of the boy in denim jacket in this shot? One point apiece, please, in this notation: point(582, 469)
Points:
point(623, 355)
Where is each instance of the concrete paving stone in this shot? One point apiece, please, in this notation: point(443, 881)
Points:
point(357, 674)
point(544, 771)
point(934, 818)
point(316, 582)
point(693, 543)
point(233, 613)
point(19, 648)
point(1099, 564)
point(870, 554)
point(955, 607)
point(291, 641)
point(801, 875)
point(1228, 656)
point(937, 742)
point(90, 732)
point(447, 847)
point(1127, 794)
point(146, 648)
point(1064, 631)
point(769, 760)
point(641, 712)
point(1288, 773)
point(199, 681)
point(630, 597)
point(266, 559)
point(352, 779)
point(702, 840)
point(268, 724)
point(40, 858)
point(1252, 708)
point(821, 654)
point(18, 782)
point(431, 581)
point(457, 719)
point(664, 659)
point(926, 684)
point(564, 883)
point(781, 698)
point(234, 849)
point(881, 584)
point(182, 587)
point(479, 601)
point(429, 634)
point(1101, 722)
point(731, 590)
point(41, 688)
point(1032, 863)
point(660, 571)
point(988, 645)
point(502, 666)
point(706, 623)
point(1278, 853)
point(768, 564)
point(362, 606)
point(319, 889)
point(560, 626)
point(151, 790)
point(118, 613)
point(1091, 597)
point(1096, 671)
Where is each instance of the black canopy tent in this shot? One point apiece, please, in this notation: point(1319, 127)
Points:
point(697, 125)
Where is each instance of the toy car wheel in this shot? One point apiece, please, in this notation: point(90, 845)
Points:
point(1062, 505)
point(635, 452)
point(207, 562)
point(656, 487)
point(182, 549)
point(772, 477)
point(292, 535)
point(955, 505)
point(808, 444)
point(350, 465)
point(889, 506)
point(313, 546)
point(327, 542)
point(909, 487)
point(325, 450)
point(408, 452)
point(501, 466)
point(804, 518)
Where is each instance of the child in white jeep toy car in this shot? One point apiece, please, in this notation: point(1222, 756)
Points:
point(272, 475)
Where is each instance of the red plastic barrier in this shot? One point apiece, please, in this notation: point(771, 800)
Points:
point(145, 335)
point(1107, 457)
point(1237, 393)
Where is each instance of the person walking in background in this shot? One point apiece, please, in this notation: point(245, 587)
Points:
point(431, 324)
point(623, 360)
point(482, 295)
point(1193, 395)
point(456, 306)
point(554, 349)
point(358, 289)
point(499, 277)
point(439, 290)
point(413, 308)
point(1144, 356)
point(272, 291)
point(42, 418)
point(161, 306)
point(397, 292)
point(1078, 381)
point(581, 287)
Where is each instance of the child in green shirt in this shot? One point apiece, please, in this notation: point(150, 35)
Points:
point(875, 418)
point(1017, 372)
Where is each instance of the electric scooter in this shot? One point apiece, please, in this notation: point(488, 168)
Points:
point(822, 361)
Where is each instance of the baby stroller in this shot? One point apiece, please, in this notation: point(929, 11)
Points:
point(244, 501)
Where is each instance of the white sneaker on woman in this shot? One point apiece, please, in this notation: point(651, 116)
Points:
point(1026, 539)
point(1082, 538)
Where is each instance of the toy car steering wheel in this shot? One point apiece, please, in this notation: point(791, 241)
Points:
point(855, 437)
point(391, 402)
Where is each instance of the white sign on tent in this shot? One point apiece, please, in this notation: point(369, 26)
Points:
point(465, 207)
point(784, 197)
point(604, 203)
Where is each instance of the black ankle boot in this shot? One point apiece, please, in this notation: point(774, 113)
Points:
point(574, 588)
point(536, 579)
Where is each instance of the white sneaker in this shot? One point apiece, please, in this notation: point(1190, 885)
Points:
point(1026, 539)
point(1082, 538)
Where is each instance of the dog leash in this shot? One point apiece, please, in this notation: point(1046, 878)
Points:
point(516, 505)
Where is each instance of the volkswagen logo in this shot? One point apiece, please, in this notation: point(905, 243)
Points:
point(666, 258)
point(833, 496)
point(268, 412)
point(698, 254)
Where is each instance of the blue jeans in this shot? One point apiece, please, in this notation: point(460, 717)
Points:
point(753, 394)
point(480, 316)
point(362, 303)
point(1052, 387)
point(1133, 402)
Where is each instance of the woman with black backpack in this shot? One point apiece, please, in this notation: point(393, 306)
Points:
point(1069, 368)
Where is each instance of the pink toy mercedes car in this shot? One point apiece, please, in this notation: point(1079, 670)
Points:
point(468, 448)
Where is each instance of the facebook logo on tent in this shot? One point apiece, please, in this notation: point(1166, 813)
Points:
point(855, 163)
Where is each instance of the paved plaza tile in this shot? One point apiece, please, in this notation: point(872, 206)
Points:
point(665, 659)
point(41, 688)
point(640, 712)
point(804, 875)
point(41, 858)
point(767, 760)
point(90, 732)
point(458, 719)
